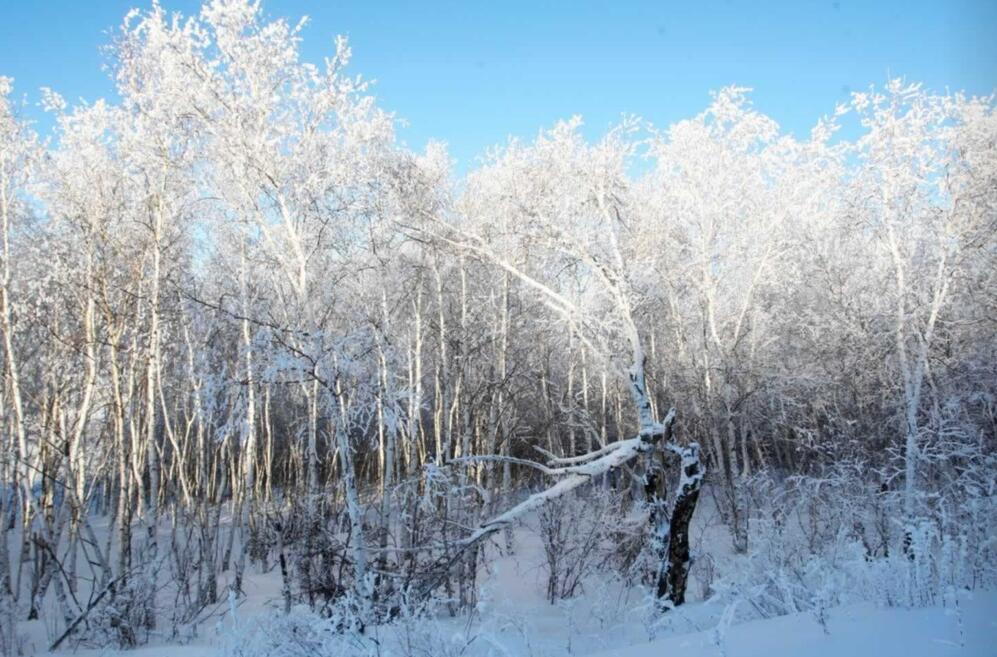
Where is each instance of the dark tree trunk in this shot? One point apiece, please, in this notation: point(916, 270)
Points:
point(674, 577)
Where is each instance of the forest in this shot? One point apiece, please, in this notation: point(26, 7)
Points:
point(277, 384)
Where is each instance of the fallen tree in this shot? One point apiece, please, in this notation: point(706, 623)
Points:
point(670, 531)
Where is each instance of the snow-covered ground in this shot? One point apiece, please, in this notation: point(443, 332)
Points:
point(609, 620)
point(852, 631)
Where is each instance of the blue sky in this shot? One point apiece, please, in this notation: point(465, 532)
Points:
point(473, 73)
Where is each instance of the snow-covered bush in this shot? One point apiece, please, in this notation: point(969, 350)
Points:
point(828, 540)
point(305, 633)
point(121, 619)
point(574, 531)
point(301, 633)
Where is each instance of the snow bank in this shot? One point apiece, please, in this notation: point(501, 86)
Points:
point(854, 631)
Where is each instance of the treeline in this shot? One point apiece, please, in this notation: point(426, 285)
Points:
point(244, 329)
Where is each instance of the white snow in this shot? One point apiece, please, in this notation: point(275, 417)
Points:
point(852, 631)
point(515, 620)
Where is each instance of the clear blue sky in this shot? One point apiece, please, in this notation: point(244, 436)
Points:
point(473, 73)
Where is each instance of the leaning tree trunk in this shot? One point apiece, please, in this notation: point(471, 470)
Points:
point(673, 575)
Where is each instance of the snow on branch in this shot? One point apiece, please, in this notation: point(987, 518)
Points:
point(599, 462)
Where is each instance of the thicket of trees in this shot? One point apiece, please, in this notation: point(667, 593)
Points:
point(244, 329)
